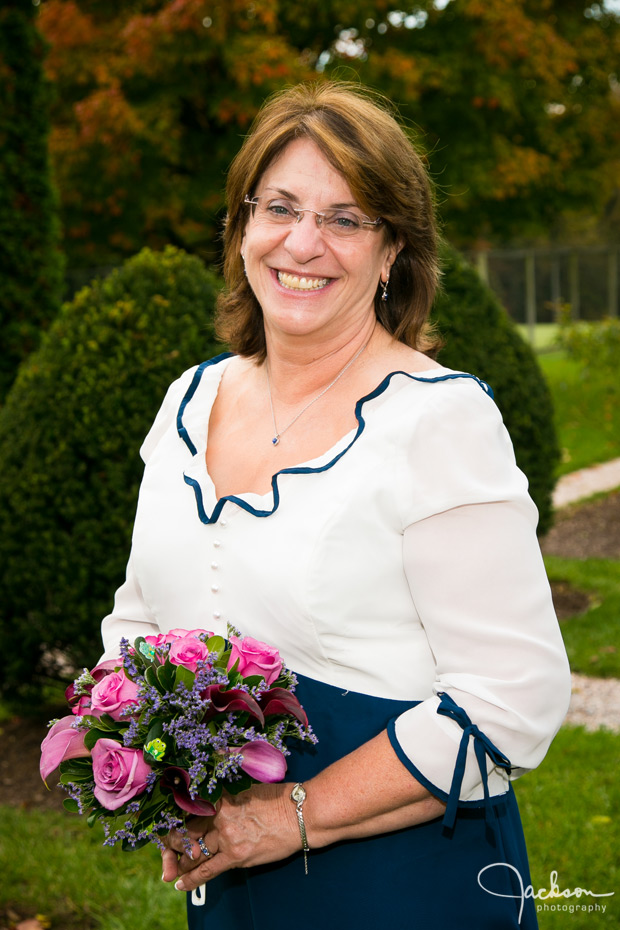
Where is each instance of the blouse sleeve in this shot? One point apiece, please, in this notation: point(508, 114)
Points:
point(477, 579)
point(130, 616)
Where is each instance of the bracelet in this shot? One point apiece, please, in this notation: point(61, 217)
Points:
point(298, 796)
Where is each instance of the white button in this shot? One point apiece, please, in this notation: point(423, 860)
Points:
point(216, 543)
point(216, 614)
point(223, 523)
point(215, 564)
point(215, 588)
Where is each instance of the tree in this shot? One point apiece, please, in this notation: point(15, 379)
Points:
point(515, 101)
point(518, 103)
point(31, 264)
point(69, 466)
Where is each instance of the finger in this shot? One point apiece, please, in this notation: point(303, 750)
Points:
point(206, 847)
point(204, 872)
point(170, 867)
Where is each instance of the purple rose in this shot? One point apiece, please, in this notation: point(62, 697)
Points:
point(113, 694)
point(120, 773)
point(188, 651)
point(62, 742)
point(255, 658)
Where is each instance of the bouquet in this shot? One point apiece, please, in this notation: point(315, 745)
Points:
point(162, 731)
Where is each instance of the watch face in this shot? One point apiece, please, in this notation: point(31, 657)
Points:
point(298, 794)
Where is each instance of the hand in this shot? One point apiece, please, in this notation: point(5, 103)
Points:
point(251, 828)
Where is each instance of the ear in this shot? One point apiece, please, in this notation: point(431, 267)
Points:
point(390, 257)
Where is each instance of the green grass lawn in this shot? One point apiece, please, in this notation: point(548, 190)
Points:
point(592, 639)
point(54, 866)
point(570, 808)
point(587, 413)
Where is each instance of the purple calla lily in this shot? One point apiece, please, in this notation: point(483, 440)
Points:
point(281, 701)
point(177, 780)
point(263, 761)
point(62, 742)
point(233, 699)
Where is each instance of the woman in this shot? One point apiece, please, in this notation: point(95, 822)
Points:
point(333, 491)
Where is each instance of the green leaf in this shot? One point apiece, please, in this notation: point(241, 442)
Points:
point(166, 675)
point(217, 644)
point(150, 676)
point(71, 805)
point(95, 734)
point(236, 787)
point(184, 675)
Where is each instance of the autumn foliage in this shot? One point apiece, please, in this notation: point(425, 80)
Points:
point(516, 103)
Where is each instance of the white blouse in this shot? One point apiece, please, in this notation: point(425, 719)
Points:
point(403, 563)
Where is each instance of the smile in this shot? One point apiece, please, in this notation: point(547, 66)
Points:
point(295, 283)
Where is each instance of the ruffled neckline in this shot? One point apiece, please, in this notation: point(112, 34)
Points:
point(193, 424)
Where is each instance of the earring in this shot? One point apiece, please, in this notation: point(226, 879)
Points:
point(384, 295)
point(245, 271)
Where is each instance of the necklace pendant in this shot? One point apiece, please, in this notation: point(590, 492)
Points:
point(275, 440)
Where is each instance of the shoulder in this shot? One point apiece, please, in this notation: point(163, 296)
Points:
point(455, 447)
point(179, 393)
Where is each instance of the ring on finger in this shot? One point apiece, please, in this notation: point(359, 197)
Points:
point(203, 847)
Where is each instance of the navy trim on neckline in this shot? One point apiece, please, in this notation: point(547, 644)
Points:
point(294, 470)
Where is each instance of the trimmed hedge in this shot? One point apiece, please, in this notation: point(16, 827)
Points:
point(69, 465)
point(81, 405)
point(31, 263)
point(481, 339)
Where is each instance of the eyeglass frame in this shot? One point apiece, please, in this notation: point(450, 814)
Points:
point(253, 202)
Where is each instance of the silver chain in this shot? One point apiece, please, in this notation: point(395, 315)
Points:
point(279, 433)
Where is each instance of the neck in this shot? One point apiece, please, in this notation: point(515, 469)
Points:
point(302, 368)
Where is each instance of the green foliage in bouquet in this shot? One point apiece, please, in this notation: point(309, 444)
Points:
point(480, 338)
point(31, 263)
point(69, 465)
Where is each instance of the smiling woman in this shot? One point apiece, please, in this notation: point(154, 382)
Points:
point(330, 490)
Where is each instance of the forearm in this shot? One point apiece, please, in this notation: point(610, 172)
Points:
point(363, 794)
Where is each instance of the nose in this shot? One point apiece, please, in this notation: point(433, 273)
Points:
point(305, 240)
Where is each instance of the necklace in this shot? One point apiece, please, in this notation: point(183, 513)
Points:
point(279, 433)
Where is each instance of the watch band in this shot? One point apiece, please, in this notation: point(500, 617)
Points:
point(298, 796)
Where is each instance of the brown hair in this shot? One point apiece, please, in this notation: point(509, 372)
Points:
point(359, 136)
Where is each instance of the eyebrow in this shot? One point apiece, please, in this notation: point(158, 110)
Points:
point(334, 206)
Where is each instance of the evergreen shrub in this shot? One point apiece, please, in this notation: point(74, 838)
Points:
point(31, 263)
point(69, 466)
point(81, 405)
point(481, 339)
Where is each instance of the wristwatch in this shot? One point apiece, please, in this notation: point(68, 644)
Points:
point(298, 796)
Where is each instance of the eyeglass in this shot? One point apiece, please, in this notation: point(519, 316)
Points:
point(341, 223)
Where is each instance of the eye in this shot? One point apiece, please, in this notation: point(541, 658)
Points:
point(280, 209)
point(341, 219)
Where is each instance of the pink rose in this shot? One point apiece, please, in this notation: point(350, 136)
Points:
point(62, 742)
point(255, 658)
point(188, 651)
point(162, 639)
point(120, 773)
point(112, 695)
point(80, 703)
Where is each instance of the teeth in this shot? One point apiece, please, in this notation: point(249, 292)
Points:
point(294, 282)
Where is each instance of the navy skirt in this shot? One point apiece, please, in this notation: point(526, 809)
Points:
point(414, 879)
